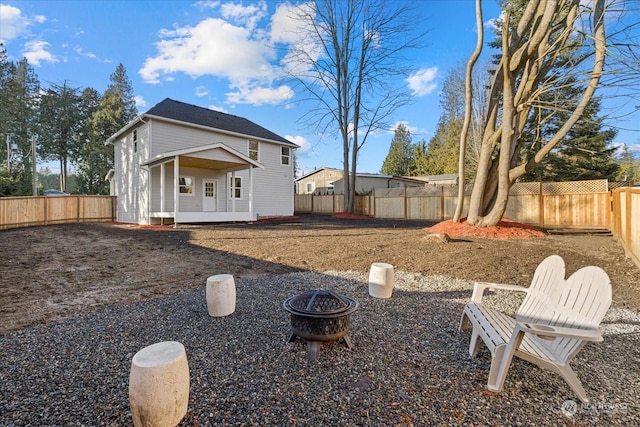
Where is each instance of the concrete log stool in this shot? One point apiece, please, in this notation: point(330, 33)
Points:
point(221, 295)
point(159, 385)
point(381, 279)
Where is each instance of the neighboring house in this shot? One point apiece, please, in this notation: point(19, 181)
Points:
point(446, 179)
point(184, 164)
point(318, 181)
point(367, 182)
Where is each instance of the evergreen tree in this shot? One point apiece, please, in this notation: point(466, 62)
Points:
point(115, 110)
point(61, 121)
point(400, 158)
point(629, 170)
point(420, 163)
point(584, 153)
point(19, 87)
point(88, 156)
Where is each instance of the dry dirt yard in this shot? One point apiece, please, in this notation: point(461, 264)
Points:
point(51, 272)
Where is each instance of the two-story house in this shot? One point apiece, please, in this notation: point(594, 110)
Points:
point(186, 164)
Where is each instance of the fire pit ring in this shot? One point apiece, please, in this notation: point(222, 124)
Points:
point(319, 316)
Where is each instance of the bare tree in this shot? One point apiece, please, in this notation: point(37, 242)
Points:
point(550, 44)
point(468, 103)
point(349, 58)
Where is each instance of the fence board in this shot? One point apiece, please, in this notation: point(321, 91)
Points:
point(625, 220)
point(42, 210)
point(583, 204)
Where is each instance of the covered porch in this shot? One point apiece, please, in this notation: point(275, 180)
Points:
point(212, 183)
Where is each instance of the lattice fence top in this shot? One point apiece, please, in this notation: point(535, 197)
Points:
point(568, 187)
point(519, 188)
point(593, 186)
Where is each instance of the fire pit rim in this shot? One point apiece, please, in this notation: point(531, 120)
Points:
point(351, 305)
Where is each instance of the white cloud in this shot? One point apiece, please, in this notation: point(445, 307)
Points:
point(411, 129)
point(260, 95)
point(218, 108)
point(207, 4)
point(89, 55)
point(423, 82)
point(494, 24)
point(232, 47)
point(202, 91)
point(213, 47)
point(13, 23)
point(36, 52)
point(249, 16)
point(301, 141)
point(140, 101)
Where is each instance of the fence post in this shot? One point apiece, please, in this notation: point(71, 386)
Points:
point(540, 205)
point(442, 204)
point(406, 202)
point(627, 243)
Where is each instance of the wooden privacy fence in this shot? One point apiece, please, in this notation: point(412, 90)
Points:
point(43, 210)
point(578, 204)
point(625, 221)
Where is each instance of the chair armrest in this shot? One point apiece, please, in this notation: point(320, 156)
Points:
point(551, 332)
point(480, 287)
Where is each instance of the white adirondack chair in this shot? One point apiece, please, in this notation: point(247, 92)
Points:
point(555, 320)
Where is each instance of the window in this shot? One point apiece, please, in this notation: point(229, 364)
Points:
point(254, 147)
point(135, 140)
point(310, 187)
point(185, 184)
point(330, 187)
point(285, 155)
point(235, 187)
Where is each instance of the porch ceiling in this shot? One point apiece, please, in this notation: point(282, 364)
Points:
point(198, 162)
point(215, 156)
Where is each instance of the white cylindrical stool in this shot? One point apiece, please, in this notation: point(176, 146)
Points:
point(221, 295)
point(381, 280)
point(159, 385)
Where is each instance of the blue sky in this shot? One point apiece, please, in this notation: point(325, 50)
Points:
point(220, 55)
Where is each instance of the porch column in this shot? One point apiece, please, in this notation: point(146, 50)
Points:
point(176, 188)
point(162, 184)
point(251, 191)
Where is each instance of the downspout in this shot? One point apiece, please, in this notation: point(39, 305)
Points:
point(176, 188)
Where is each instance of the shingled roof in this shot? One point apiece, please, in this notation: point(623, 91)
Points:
point(188, 113)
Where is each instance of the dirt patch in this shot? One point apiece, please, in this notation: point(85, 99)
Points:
point(56, 271)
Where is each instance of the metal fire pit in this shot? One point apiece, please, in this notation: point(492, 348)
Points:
point(319, 316)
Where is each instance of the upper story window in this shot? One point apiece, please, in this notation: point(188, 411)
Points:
point(254, 149)
point(135, 140)
point(285, 156)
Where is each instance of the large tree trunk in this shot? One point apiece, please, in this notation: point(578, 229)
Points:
point(467, 112)
point(543, 36)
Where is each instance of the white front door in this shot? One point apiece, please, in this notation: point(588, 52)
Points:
point(210, 195)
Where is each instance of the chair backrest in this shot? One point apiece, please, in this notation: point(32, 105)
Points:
point(545, 289)
point(582, 302)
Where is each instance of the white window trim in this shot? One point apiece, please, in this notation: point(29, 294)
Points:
point(311, 184)
point(134, 137)
point(257, 159)
point(233, 188)
point(193, 185)
point(287, 156)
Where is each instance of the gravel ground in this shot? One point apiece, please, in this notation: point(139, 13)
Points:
point(409, 365)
